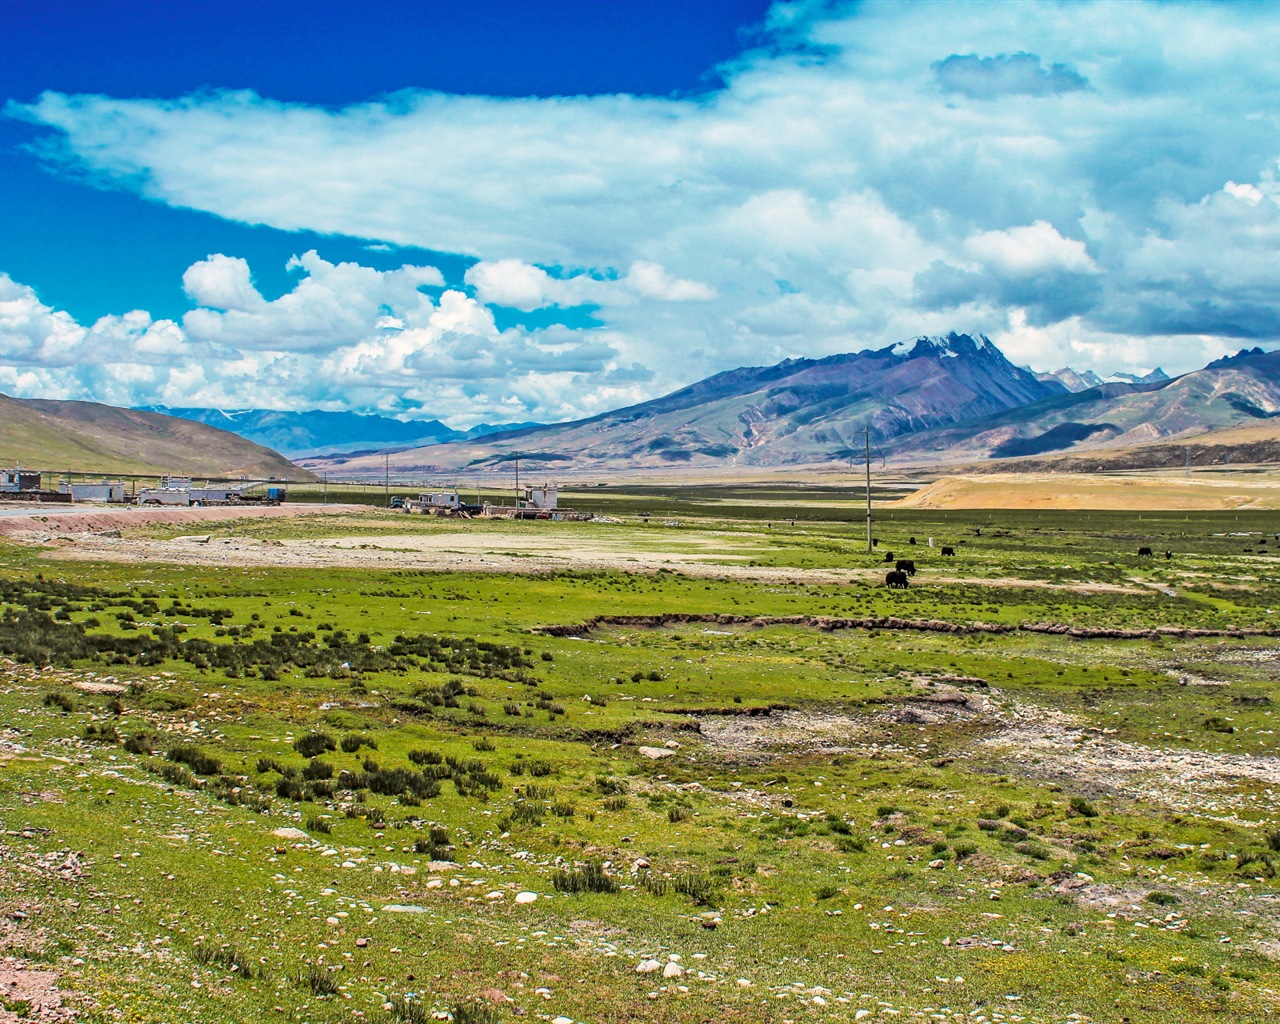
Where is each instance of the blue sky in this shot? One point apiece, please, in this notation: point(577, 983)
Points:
point(508, 211)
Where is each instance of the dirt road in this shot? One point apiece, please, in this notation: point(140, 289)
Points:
point(25, 519)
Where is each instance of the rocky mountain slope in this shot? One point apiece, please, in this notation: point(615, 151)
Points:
point(798, 411)
point(87, 437)
point(1240, 390)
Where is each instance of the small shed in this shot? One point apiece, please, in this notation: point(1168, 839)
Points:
point(114, 492)
point(546, 496)
point(14, 480)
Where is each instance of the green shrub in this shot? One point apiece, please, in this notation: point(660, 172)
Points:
point(225, 956)
point(315, 769)
point(354, 741)
point(100, 732)
point(59, 700)
point(1083, 807)
point(195, 758)
point(320, 981)
point(139, 743)
point(591, 877)
point(698, 886)
point(314, 744)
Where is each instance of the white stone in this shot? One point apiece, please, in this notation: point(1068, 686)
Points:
point(526, 897)
point(672, 970)
point(648, 967)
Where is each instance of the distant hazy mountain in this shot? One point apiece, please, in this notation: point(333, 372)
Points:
point(799, 411)
point(1073, 380)
point(87, 437)
point(318, 432)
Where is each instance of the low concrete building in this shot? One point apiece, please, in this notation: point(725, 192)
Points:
point(114, 492)
point(546, 496)
point(14, 480)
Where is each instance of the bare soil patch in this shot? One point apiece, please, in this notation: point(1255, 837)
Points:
point(1078, 491)
point(33, 994)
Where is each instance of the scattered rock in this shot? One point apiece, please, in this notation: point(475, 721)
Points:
point(648, 967)
point(526, 897)
point(655, 753)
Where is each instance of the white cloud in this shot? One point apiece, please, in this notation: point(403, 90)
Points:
point(1101, 174)
point(333, 304)
point(522, 286)
point(222, 282)
point(1028, 251)
point(30, 332)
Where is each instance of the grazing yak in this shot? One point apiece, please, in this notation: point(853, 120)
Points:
point(888, 556)
point(949, 552)
point(895, 579)
point(1144, 552)
point(906, 565)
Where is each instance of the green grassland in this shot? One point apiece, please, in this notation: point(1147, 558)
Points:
point(825, 818)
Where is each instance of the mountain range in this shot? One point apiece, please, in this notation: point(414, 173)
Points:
point(929, 400)
point(1076, 381)
point(318, 432)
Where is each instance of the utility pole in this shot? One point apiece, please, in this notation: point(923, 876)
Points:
point(517, 486)
point(326, 488)
point(867, 430)
point(386, 477)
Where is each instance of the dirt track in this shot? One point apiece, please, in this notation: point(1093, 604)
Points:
point(488, 552)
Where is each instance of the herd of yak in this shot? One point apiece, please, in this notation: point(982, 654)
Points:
point(896, 578)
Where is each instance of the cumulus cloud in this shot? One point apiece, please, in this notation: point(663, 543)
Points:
point(1095, 171)
point(1030, 250)
point(522, 286)
point(447, 354)
point(332, 305)
point(985, 78)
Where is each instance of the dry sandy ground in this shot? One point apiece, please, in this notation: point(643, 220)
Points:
point(521, 552)
point(1068, 491)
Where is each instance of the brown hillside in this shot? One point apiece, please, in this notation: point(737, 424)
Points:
point(86, 437)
